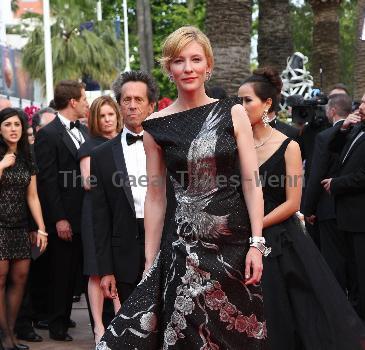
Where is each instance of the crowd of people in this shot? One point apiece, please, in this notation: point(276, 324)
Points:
point(184, 220)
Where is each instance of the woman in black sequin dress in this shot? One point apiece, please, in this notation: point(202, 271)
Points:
point(105, 122)
point(200, 290)
point(17, 190)
point(305, 308)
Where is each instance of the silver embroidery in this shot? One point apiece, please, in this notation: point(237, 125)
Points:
point(193, 222)
point(102, 346)
point(149, 322)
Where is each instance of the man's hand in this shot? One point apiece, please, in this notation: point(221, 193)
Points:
point(64, 230)
point(326, 183)
point(108, 285)
point(310, 219)
point(351, 119)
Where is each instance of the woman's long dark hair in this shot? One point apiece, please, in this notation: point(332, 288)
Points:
point(23, 149)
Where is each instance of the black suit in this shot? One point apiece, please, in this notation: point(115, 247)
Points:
point(61, 195)
point(306, 142)
point(119, 235)
point(348, 187)
point(321, 204)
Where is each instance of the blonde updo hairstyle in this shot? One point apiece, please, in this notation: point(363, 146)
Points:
point(180, 38)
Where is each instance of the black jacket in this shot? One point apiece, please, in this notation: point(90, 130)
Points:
point(348, 186)
point(324, 165)
point(59, 179)
point(114, 218)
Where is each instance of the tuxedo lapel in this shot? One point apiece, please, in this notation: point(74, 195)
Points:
point(84, 131)
point(355, 145)
point(119, 160)
point(66, 138)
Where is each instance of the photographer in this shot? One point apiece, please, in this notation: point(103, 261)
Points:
point(318, 205)
point(348, 188)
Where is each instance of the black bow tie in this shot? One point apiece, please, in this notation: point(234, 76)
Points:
point(75, 124)
point(133, 138)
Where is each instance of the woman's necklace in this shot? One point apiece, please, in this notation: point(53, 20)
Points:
point(268, 138)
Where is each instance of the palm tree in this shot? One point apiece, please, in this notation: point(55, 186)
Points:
point(326, 43)
point(275, 42)
point(360, 53)
point(80, 47)
point(228, 25)
point(145, 42)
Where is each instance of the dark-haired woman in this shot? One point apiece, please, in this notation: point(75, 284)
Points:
point(17, 190)
point(105, 122)
point(304, 306)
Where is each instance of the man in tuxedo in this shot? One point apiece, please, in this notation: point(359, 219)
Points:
point(61, 194)
point(118, 168)
point(348, 188)
point(319, 205)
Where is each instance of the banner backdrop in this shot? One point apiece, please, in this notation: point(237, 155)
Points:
point(14, 80)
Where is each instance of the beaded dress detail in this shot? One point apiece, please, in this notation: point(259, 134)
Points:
point(14, 237)
point(194, 297)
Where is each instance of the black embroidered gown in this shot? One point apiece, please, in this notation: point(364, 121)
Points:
point(194, 297)
point(305, 308)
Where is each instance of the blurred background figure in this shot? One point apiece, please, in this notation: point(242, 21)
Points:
point(105, 123)
point(4, 103)
point(216, 92)
point(41, 118)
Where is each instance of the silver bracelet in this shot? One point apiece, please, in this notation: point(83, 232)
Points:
point(265, 251)
point(45, 234)
point(257, 239)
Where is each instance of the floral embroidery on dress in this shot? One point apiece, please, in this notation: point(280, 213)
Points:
point(196, 283)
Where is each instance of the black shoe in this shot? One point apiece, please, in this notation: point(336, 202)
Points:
point(21, 347)
point(30, 336)
point(60, 336)
point(41, 324)
point(72, 324)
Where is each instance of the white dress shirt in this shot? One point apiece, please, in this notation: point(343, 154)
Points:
point(135, 161)
point(74, 133)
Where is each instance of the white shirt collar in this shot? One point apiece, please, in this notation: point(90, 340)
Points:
point(337, 121)
point(126, 130)
point(64, 120)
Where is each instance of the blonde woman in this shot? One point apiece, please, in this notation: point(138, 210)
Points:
point(201, 284)
point(105, 122)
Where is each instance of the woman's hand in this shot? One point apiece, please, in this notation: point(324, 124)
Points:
point(8, 161)
point(254, 264)
point(41, 241)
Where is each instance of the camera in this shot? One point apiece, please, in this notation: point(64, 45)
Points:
point(310, 110)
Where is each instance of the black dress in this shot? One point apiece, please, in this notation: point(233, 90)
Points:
point(87, 236)
point(305, 308)
point(14, 237)
point(194, 296)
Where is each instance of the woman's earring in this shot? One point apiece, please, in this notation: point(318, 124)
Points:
point(208, 76)
point(265, 118)
point(171, 78)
